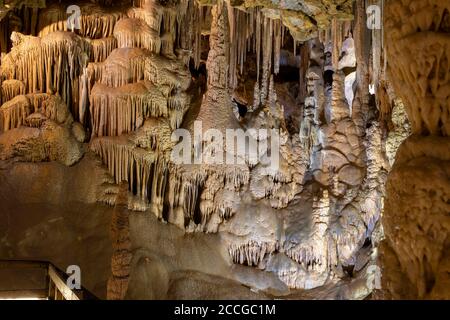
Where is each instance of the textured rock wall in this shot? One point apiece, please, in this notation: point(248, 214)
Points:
point(416, 220)
point(119, 87)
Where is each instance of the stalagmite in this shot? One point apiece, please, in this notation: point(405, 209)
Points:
point(122, 256)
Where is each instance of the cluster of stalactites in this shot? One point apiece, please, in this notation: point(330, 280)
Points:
point(251, 253)
point(170, 190)
point(121, 100)
point(170, 22)
point(122, 66)
point(197, 193)
point(102, 48)
point(121, 110)
point(94, 21)
point(251, 30)
point(14, 113)
point(333, 38)
point(132, 32)
point(48, 65)
point(115, 111)
point(10, 89)
point(32, 110)
point(145, 172)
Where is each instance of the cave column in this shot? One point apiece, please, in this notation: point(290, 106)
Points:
point(416, 253)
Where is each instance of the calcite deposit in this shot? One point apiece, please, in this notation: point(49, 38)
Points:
point(207, 149)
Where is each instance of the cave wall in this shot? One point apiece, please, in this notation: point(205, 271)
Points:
point(92, 117)
point(416, 221)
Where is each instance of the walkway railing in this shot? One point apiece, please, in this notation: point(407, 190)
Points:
point(22, 279)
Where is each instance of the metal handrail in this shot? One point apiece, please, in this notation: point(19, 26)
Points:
point(56, 286)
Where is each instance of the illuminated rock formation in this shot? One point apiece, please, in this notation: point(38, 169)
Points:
point(416, 222)
point(240, 148)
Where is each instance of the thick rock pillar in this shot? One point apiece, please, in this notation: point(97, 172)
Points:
point(416, 253)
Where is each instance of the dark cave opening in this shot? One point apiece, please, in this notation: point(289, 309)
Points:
point(287, 74)
point(328, 78)
point(242, 108)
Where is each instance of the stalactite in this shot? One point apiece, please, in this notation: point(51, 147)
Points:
point(51, 64)
point(14, 113)
point(145, 172)
point(102, 48)
point(258, 42)
point(277, 46)
point(37, 100)
point(132, 32)
point(233, 24)
point(95, 23)
point(241, 41)
point(11, 89)
point(251, 253)
point(177, 106)
point(151, 12)
point(85, 92)
point(197, 36)
point(115, 111)
point(123, 66)
point(377, 47)
point(304, 63)
point(267, 58)
point(167, 41)
point(98, 24)
point(188, 29)
point(245, 34)
point(336, 32)
point(361, 37)
point(169, 19)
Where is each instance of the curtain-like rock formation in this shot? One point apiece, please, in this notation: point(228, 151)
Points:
point(258, 133)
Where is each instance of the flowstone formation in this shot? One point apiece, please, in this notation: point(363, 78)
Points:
point(416, 222)
point(235, 147)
